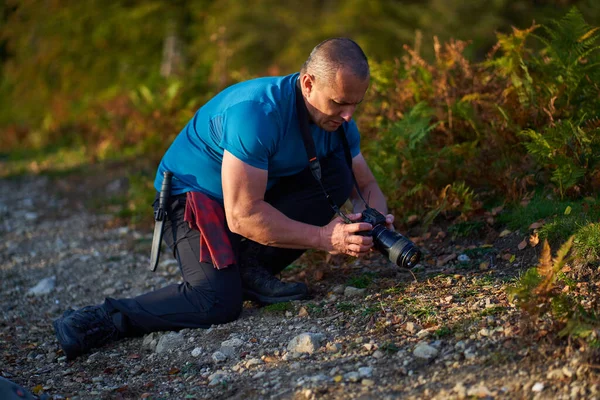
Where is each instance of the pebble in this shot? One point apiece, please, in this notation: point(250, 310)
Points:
point(352, 376)
point(197, 352)
point(219, 357)
point(307, 342)
point(425, 351)
point(537, 387)
point(45, 286)
point(378, 354)
point(365, 372)
point(169, 342)
point(351, 291)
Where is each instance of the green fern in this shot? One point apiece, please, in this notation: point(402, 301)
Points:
point(565, 149)
point(572, 62)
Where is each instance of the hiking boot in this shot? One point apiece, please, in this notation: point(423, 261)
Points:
point(259, 285)
point(82, 330)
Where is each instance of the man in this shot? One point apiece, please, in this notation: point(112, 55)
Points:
point(243, 202)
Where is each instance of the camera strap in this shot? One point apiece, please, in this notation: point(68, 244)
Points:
point(311, 152)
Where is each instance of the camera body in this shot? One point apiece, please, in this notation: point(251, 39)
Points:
point(398, 249)
point(373, 217)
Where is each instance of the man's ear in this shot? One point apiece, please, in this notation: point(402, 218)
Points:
point(307, 84)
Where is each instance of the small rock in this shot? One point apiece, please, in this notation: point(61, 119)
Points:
point(351, 291)
point(480, 391)
point(463, 258)
point(423, 333)
point(484, 332)
point(252, 362)
point(197, 352)
point(219, 357)
point(425, 351)
point(378, 354)
point(367, 382)
point(568, 372)
point(365, 372)
point(538, 387)
point(555, 374)
point(43, 287)
point(305, 343)
point(150, 341)
point(169, 342)
point(217, 378)
point(411, 327)
point(338, 289)
point(352, 376)
point(31, 216)
point(230, 347)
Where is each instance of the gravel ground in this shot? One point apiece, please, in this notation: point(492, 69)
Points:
point(371, 331)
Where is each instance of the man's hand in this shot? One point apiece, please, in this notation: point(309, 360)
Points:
point(389, 222)
point(338, 237)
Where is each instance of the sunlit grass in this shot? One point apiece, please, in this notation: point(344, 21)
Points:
point(58, 161)
point(587, 242)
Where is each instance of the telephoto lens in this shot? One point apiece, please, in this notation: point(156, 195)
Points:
point(396, 247)
point(393, 245)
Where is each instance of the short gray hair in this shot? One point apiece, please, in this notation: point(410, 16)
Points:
point(332, 54)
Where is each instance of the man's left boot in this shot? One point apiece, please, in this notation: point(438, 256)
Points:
point(82, 330)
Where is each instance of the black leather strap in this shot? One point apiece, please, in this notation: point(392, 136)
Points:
point(311, 152)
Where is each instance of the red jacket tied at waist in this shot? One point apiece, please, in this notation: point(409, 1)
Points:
point(207, 215)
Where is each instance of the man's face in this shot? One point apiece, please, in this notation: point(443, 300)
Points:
point(331, 103)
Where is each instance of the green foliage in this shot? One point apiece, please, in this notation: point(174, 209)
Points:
point(278, 307)
point(140, 195)
point(442, 332)
point(570, 64)
point(561, 219)
point(545, 290)
point(361, 281)
point(586, 245)
point(567, 151)
point(345, 306)
point(389, 348)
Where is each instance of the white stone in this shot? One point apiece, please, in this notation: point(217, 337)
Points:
point(197, 352)
point(425, 351)
point(305, 343)
point(43, 287)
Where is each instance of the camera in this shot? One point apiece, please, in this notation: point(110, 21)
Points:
point(393, 245)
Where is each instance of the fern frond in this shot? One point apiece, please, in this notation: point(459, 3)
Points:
point(546, 271)
point(589, 35)
point(544, 267)
point(559, 260)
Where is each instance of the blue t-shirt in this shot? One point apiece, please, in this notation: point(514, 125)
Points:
point(255, 121)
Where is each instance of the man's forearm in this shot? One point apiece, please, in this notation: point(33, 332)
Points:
point(267, 225)
point(373, 195)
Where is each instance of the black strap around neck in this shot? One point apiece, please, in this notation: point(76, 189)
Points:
point(311, 152)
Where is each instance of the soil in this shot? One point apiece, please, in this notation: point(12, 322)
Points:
point(446, 330)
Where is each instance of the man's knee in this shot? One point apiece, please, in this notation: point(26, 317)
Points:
point(222, 304)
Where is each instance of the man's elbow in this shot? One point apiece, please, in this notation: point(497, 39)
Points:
point(238, 221)
point(235, 222)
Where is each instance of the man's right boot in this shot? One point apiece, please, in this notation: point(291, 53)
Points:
point(260, 285)
point(82, 330)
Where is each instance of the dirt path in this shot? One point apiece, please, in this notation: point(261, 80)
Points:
point(447, 332)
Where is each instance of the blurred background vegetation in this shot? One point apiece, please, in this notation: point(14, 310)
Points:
point(471, 103)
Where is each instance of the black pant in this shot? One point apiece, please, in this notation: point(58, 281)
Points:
point(210, 296)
